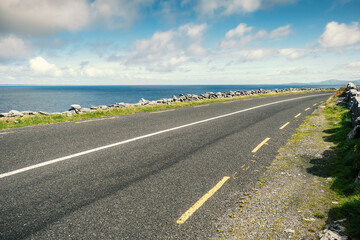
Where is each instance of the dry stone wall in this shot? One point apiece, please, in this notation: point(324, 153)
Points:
point(77, 109)
point(352, 99)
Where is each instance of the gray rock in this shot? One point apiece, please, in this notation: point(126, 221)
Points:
point(104, 107)
point(93, 107)
point(4, 115)
point(55, 113)
point(15, 113)
point(44, 113)
point(27, 112)
point(350, 85)
point(69, 113)
point(354, 133)
point(84, 110)
point(331, 235)
point(75, 106)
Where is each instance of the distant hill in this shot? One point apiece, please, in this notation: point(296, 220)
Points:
point(331, 82)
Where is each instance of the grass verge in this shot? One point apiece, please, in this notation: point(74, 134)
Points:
point(345, 166)
point(16, 122)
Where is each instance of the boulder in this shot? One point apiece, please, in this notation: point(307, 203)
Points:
point(44, 113)
point(75, 107)
point(15, 113)
point(354, 133)
point(4, 115)
point(84, 110)
point(350, 85)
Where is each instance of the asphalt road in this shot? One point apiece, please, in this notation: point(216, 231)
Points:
point(138, 189)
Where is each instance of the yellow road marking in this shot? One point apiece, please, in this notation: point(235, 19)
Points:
point(243, 166)
point(229, 102)
point(260, 145)
point(315, 104)
point(297, 115)
point(170, 110)
point(3, 133)
point(204, 105)
point(201, 201)
point(283, 126)
point(307, 109)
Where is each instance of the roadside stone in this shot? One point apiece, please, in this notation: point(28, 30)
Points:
point(75, 106)
point(289, 231)
point(354, 133)
point(85, 110)
point(103, 107)
point(4, 115)
point(15, 113)
point(44, 113)
point(331, 235)
point(70, 113)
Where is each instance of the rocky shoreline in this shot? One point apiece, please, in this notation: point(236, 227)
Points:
point(77, 109)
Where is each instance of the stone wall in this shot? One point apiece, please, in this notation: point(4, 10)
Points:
point(77, 109)
point(352, 99)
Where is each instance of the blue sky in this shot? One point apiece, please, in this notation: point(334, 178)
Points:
point(119, 42)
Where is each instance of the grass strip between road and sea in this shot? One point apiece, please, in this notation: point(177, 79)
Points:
point(31, 120)
point(345, 165)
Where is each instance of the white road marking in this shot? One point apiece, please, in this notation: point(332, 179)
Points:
point(145, 136)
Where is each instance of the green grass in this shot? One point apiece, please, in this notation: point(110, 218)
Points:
point(16, 122)
point(345, 166)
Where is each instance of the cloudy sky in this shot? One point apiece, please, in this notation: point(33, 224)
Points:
point(117, 42)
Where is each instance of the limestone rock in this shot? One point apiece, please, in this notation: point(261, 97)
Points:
point(15, 113)
point(75, 106)
point(44, 113)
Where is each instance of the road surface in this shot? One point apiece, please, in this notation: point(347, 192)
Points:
point(163, 175)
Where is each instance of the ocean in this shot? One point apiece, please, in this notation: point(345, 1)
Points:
point(59, 98)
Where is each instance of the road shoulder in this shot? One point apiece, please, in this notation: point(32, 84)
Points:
point(293, 197)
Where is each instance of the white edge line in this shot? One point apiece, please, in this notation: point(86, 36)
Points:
point(144, 136)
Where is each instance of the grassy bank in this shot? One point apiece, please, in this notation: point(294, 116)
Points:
point(43, 119)
point(345, 166)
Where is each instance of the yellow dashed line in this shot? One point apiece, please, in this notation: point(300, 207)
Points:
point(297, 115)
point(229, 102)
point(283, 126)
point(3, 133)
point(260, 145)
point(201, 201)
point(170, 110)
point(307, 109)
point(315, 104)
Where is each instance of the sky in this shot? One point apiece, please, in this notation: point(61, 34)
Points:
point(184, 42)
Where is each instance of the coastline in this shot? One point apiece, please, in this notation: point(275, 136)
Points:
point(76, 112)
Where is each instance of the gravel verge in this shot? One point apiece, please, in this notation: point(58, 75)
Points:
point(292, 199)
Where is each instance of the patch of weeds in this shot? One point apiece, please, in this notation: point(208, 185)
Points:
point(319, 215)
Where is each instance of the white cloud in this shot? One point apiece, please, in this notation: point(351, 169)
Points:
point(13, 47)
point(229, 7)
point(295, 53)
point(239, 31)
point(96, 72)
point(166, 51)
point(42, 16)
point(340, 35)
point(117, 13)
point(37, 17)
point(41, 66)
point(280, 32)
point(241, 35)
